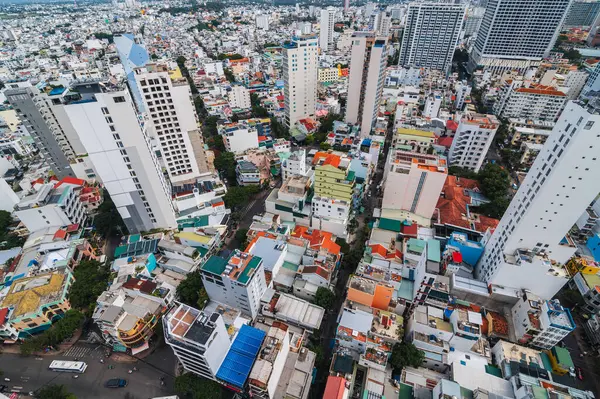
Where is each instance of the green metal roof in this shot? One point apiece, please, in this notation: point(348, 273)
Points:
point(290, 266)
point(416, 245)
point(215, 265)
point(199, 221)
point(495, 371)
point(252, 265)
point(405, 289)
point(539, 392)
point(563, 357)
point(390, 224)
point(405, 391)
point(433, 250)
point(546, 361)
point(351, 175)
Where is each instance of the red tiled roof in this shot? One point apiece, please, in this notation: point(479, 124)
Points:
point(330, 159)
point(445, 141)
point(335, 387)
point(546, 90)
point(60, 234)
point(453, 206)
point(70, 180)
point(450, 124)
point(318, 270)
point(262, 138)
point(3, 315)
point(144, 286)
point(317, 239)
point(499, 323)
point(409, 230)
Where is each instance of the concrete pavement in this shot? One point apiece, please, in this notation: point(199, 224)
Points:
point(30, 373)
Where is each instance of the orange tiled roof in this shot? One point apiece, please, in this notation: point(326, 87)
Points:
point(318, 239)
point(330, 159)
point(453, 206)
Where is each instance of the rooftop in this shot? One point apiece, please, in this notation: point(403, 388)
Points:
point(238, 362)
point(191, 324)
point(26, 295)
point(240, 266)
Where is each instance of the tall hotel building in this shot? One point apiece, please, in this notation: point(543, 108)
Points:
point(300, 67)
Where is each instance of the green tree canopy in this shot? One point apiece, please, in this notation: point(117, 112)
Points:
point(225, 164)
point(108, 221)
point(324, 298)
point(406, 354)
point(230, 56)
point(191, 386)
point(494, 181)
point(54, 391)
point(91, 279)
point(7, 239)
point(239, 195)
point(61, 330)
point(188, 290)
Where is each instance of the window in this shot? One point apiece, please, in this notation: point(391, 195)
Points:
point(119, 99)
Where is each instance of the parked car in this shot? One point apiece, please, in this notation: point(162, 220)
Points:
point(116, 383)
point(579, 374)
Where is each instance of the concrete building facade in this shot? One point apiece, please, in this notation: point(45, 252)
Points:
point(300, 66)
point(365, 84)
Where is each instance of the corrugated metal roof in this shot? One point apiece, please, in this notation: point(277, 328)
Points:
point(239, 360)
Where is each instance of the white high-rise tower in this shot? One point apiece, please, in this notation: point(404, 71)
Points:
point(173, 121)
point(529, 246)
point(517, 34)
point(326, 34)
point(365, 84)
point(300, 66)
point(431, 35)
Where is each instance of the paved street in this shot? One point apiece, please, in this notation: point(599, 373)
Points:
point(29, 373)
point(254, 207)
point(330, 322)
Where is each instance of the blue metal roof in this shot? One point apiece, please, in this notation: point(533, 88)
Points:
point(236, 366)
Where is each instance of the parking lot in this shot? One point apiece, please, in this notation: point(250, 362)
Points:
point(31, 373)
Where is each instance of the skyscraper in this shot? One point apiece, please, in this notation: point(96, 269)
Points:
point(119, 148)
point(346, 5)
point(531, 243)
point(300, 67)
point(367, 66)
point(36, 112)
point(132, 54)
point(431, 35)
point(172, 120)
point(326, 23)
point(582, 14)
point(517, 34)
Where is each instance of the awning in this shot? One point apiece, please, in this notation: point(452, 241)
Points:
point(135, 351)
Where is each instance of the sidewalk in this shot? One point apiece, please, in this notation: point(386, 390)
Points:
point(16, 348)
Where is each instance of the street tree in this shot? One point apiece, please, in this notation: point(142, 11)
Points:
point(324, 298)
point(91, 279)
point(188, 290)
point(54, 391)
point(406, 354)
point(190, 386)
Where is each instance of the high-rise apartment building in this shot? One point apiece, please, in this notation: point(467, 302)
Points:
point(133, 54)
point(592, 86)
point(199, 340)
point(326, 33)
point(40, 116)
point(262, 22)
point(472, 139)
point(120, 150)
point(300, 68)
point(172, 120)
point(346, 5)
point(517, 34)
point(531, 243)
point(536, 102)
point(367, 71)
point(582, 14)
point(431, 35)
point(384, 24)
